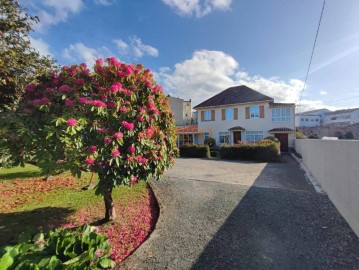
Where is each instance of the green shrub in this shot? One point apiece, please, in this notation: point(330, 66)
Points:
point(272, 138)
point(211, 142)
point(299, 134)
point(313, 136)
point(349, 135)
point(195, 151)
point(264, 151)
point(214, 153)
point(62, 249)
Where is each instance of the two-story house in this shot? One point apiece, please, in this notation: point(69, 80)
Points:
point(242, 114)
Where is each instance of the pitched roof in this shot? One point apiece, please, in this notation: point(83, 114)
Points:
point(281, 130)
point(187, 129)
point(281, 104)
point(341, 111)
point(237, 128)
point(234, 95)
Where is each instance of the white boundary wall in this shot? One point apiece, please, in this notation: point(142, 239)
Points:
point(335, 164)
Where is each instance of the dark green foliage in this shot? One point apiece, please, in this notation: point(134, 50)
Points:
point(349, 135)
point(211, 142)
point(63, 249)
point(214, 153)
point(195, 151)
point(263, 151)
point(339, 134)
point(313, 136)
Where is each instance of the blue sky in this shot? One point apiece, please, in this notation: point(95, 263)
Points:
point(197, 48)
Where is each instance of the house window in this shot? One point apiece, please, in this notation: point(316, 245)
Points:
point(254, 112)
point(316, 120)
point(306, 119)
point(206, 135)
point(301, 119)
point(207, 116)
point(254, 136)
point(229, 114)
point(224, 137)
point(281, 115)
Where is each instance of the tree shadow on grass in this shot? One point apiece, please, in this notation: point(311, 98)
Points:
point(12, 225)
point(20, 175)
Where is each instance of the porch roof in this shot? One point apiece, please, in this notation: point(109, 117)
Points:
point(239, 128)
point(281, 130)
point(187, 129)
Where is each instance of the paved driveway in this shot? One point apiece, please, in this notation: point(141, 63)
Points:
point(241, 215)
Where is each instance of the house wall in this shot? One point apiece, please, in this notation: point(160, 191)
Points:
point(335, 164)
point(345, 118)
point(181, 109)
point(254, 124)
point(307, 120)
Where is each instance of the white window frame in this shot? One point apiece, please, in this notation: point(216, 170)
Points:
point(229, 114)
point(224, 137)
point(254, 112)
point(281, 115)
point(254, 136)
point(207, 116)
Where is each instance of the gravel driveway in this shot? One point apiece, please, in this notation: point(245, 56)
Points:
point(240, 215)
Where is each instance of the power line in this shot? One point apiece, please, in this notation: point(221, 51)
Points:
point(311, 57)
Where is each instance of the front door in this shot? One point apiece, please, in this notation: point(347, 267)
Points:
point(283, 138)
point(236, 136)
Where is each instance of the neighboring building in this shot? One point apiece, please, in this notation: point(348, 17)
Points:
point(341, 117)
point(243, 114)
point(310, 118)
point(182, 110)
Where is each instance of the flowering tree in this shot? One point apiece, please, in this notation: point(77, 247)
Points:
point(114, 121)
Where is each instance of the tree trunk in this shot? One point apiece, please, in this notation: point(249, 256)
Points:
point(110, 213)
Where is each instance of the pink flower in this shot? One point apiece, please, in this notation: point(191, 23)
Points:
point(118, 135)
point(134, 180)
point(64, 89)
point(128, 126)
point(151, 105)
point(123, 109)
point(139, 118)
point(148, 83)
point(99, 253)
point(131, 149)
point(107, 140)
point(71, 122)
point(116, 87)
point(92, 149)
point(89, 160)
point(69, 103)
point(99, 62)
point(80, 81)
point(98, 103)
point(115, 153)
point(30, 87)
point(150, 131)
point(111, 104)
point(156, 89)
point(84, 100)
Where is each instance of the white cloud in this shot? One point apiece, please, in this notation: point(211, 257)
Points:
point(323, 93)
point(79, 52)
point(198, 8)
point(53, 12)
point(41, 46)
point(209, 72)
point(104, 2)
point(135, 48)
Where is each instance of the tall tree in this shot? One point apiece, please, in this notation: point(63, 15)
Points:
point(19, 62)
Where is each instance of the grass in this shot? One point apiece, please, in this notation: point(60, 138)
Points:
point(28, 204)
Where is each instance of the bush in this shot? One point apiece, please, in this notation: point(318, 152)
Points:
point(214, 153)
point(313, 136)
point(63, 249)
point(299, 134)
point(195, 151)
point(263, 151)
point(272, 138)
point(211, 142)
point(349, 135)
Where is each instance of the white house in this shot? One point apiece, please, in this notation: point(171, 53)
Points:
point(242, 114)
point(310, 118)
point(182, 110)
point(341, 117)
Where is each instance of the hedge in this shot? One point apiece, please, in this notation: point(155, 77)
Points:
point(195, 151)
point(265, 150)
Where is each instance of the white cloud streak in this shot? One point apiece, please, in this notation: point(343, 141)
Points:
point(209, 72)
point(135, 48)
point(41, 46)
point(198, 8)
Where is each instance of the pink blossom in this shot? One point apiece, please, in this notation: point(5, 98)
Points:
point(118, 135)
point(134, 180)
point(148, 83)
point(71, 122)
point(123, 109)
point(101, 130)
point(156, 89)
point(151, 105)
point(115, 153)
point(41, 101)
point(98, 103)
point(139, 118)
point(80, 81)
point(49, 90)
point(69, 102)
point(126, 92)
point(150, 130)
point(141, 160)
point(84, 100)
point(92, 149)
point(30, 87)
point(131, 149)
point(64, 89)
point(99, 62)
point(128, 126)
point(99, 253)
point(107, 140)
point(116, 87)
point(89, 160)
